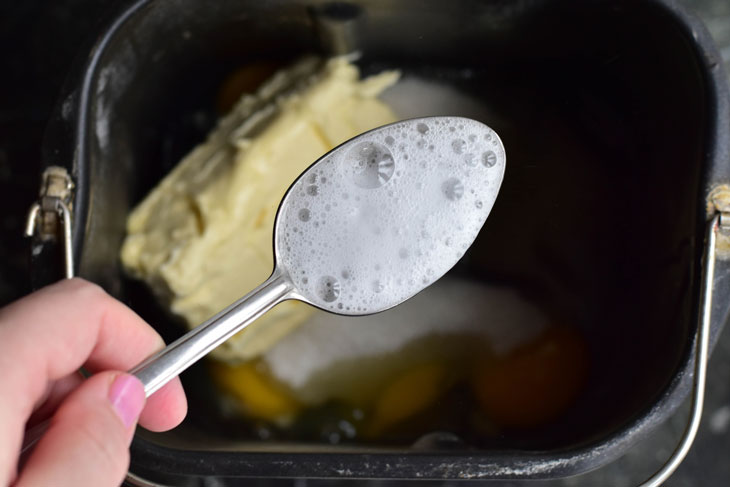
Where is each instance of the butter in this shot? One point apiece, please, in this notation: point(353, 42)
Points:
point(203, 237)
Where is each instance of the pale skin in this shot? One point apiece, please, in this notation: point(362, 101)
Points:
point(45, 338)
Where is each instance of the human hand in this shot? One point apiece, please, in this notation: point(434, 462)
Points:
point(44, 339)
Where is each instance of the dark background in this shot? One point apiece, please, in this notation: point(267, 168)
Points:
point(38, 42)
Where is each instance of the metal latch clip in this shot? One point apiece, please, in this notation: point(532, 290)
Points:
point(54, 204)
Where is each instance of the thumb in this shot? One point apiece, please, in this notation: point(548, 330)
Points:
point(88, 440)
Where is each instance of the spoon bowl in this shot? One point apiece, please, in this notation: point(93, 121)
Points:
point(387, 213)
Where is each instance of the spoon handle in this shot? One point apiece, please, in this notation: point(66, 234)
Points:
point(160, 368)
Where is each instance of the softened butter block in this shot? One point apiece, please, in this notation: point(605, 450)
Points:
point(203, 237)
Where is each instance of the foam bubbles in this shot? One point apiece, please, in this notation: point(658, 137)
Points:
point(458, 145)
point(377, 286)
point(304, 215)
point(372, 164)
point(328, 288)
point(379, 218)
point(489, 158)
point(453, 189)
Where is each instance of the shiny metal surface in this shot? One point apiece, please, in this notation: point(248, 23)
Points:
point(65, 213)
point(56, 197)
point(62, 208)
point(30, 222)
point(158, 369)
point(702, 343)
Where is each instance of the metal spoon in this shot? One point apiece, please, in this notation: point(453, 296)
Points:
point(369, 225)
point(366, 227)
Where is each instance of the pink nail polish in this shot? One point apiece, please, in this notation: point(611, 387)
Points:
point(127, 397)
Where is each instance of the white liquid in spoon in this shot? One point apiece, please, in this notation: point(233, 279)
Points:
point(371, 225)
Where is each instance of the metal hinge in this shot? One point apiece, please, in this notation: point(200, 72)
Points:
point(724, 222)
point(52, 212)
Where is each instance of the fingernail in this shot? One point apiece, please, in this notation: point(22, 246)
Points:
point(127, 397)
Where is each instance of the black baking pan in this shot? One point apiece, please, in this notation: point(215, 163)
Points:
point(614, 115)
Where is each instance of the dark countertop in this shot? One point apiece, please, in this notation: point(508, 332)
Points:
point(40, 40)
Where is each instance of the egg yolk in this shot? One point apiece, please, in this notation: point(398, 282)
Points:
point(257, 394)
point(408, 394)
point(535, 383)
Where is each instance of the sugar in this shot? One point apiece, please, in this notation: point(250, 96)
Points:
point(451, 306)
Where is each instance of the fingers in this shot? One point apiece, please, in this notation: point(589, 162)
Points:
point(166, 408)
point(162, 412)
point(88, 439)
point(55, 393)
point(51, 333)
point(79, 324)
